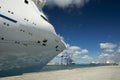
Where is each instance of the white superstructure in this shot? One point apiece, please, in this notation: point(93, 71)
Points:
point(26, 36)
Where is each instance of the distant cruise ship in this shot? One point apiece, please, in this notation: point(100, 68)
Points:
point(27, 39)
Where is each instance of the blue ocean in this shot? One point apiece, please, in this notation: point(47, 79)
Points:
point(14, 72)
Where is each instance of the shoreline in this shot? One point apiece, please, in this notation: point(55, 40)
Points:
point(91, 73)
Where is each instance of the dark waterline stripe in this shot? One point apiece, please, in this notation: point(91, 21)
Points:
point(5, 17)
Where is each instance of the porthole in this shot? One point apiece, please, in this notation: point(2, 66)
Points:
point(8, 11)
point(38, 41)
point(2, 38)
point(22, 30)
point(45, 41)
point(30, 33)
point(26, 1)
point(12, 13)
point(4, 23)
point(44, 44)
point(33, 23)
point(56, 47)
point(8, 25)
point(24, 18)
point(16, 42)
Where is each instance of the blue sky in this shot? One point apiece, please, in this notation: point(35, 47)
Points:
point(87, 25)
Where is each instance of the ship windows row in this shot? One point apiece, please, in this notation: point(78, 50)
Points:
point(6, 24)
point(10, 12)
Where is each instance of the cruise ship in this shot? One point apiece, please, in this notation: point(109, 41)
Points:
point(27, 39)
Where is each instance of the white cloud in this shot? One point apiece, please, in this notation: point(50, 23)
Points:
point(77, 54)
point(87, 57)
point(66, 3)
point(109, 50)
point(108, 47)
point(118, 50)
point(105, 55)
point(74, 48)
point(115, 57)
point(84, 51)
point(77, 50)
point(74, 51)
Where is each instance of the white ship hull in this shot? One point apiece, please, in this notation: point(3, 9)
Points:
point(26, 38)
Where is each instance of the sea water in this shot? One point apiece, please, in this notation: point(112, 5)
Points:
point(14, 72)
